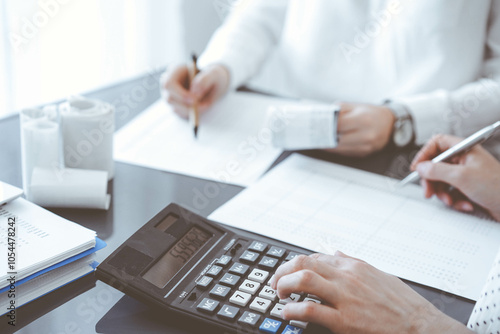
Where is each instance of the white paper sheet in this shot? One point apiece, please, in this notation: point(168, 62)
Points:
point(325, 207)
point(233, 144)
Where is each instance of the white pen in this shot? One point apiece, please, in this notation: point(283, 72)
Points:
point(466, 144)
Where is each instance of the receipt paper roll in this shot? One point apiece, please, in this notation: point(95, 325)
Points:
point(303, 126)
point(70, 188)
point(39, 144)
point(87, 134)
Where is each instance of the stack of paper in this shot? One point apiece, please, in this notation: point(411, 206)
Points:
point(45, 252)
point(326, 207)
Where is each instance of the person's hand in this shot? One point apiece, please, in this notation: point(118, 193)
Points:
point(363, 129)
point(207, 87)
point(357, 298)
point(475, 175)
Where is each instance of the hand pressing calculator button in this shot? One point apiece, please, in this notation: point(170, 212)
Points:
point(216, 275)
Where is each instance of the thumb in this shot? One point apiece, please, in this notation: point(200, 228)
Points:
point(440, 171)
point(202, 84)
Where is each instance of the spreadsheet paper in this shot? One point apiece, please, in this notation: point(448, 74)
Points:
point(327, 207)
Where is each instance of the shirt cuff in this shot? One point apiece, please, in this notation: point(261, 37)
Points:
point(429, 112)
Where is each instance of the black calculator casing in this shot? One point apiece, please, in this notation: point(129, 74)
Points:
point(125, 267)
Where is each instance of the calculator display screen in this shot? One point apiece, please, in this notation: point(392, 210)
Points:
point(176, 257)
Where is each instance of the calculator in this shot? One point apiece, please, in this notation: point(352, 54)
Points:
point(203, 271)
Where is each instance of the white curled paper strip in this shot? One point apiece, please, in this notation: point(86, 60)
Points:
point(69, 187)
point(298, 127)
point(39, 144)
point(87, 134)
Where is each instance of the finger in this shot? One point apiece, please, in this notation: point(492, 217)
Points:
point(301, 262)
point(323, 315)
point(440, 171)
point(181, 111)
point(306, 281)
point(202, 83)
point(435, 146)
point(464, 206)
point(176, 84)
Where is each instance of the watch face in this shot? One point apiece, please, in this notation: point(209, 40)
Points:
point(403, 134)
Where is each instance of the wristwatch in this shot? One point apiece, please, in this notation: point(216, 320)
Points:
point(403, 132)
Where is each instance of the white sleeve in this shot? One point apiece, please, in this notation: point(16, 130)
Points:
point(469, 108)
point(246, 38)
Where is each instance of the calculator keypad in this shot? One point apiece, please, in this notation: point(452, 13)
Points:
point(240, 289)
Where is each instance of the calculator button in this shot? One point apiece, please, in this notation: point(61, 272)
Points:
point(224, 260)
point(220, 291)
point(276, 252)
point(291, 256)
point(258, 246)
point(240, 298)
point(230, 279)
point(270, 326)
point(308, 299)
point(228, 312)
point(249, 257)
point(260, 304)
point(268, 293)
point(207, 305)
point(239, 268)
point(249, 318)
point(268, 262)
point(249, 286)
point(204, 282)
point(214, 270)
point(258, 275)
point(296, 323)
point(292, 330)
point(269, 281)
point(276, 311)
point(293, 298)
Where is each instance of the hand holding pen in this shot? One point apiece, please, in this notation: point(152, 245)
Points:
point(210, 84)
point(474, 174)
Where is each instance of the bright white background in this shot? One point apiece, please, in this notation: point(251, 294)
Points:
point(50, 49)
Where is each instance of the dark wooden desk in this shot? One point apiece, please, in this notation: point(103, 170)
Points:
point(137, 195)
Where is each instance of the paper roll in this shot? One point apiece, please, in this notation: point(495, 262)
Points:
point(298, 127)
point(39, 144)
point(87, 134)
point(69, 187)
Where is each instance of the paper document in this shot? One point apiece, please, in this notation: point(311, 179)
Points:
point(324, 207)
point(233, 144)
point(41, 239)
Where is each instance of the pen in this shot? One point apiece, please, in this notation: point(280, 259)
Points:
point(466, 144)
point(194, 116)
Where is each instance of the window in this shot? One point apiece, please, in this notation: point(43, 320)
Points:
point(50, 49)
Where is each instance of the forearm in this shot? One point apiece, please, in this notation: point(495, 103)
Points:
point(244, 41)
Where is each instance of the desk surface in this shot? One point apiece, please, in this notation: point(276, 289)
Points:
point(137, 195)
